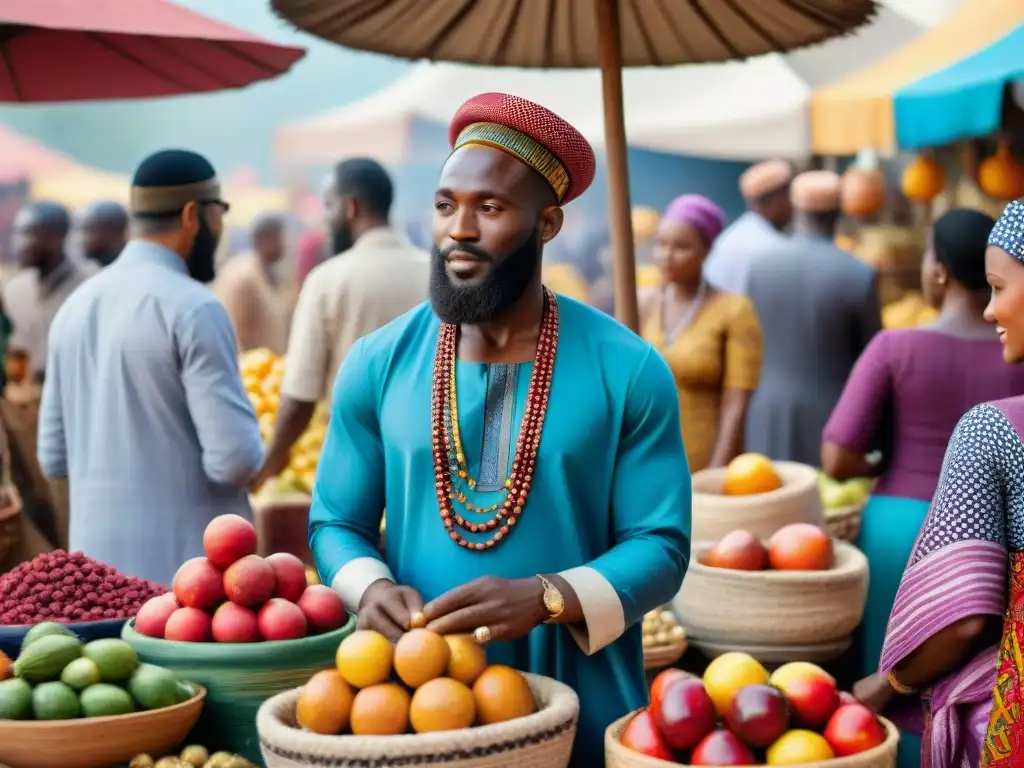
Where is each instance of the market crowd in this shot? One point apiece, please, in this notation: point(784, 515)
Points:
point(557, 444)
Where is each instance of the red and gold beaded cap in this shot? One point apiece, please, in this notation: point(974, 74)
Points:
point(531, 133)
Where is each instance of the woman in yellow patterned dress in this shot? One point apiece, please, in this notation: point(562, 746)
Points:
point(710, 339)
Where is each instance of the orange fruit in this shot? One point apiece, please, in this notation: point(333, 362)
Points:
point(727, 673)
point(502, 694)
point(466, 660)
point(6, 666)
point(380, 710)
point(325, 703)
point(750, 473)
point(364, 658)
point(799, 747)
point(442, 704)
point(420, 655)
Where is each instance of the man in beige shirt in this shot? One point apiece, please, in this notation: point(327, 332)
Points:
point(258, 301)
point(47, 277)
point(376, 277)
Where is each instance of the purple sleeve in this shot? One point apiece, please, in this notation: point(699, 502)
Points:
point(858, 414)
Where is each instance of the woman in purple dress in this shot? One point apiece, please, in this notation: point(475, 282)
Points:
point(963, 589)
point(904, 397)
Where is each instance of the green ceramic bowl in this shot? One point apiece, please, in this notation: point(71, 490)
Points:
point(238, 678)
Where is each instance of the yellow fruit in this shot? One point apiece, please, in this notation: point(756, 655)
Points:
point(307, 480)
point(251, 383)
point(727, 674)
point(750, 473)
point(502, 694)
point(798, 748)
point(364, 658)
point(796, 670)
point(466, 659)
point(442, 704)
point(420, 656)
point(302, 463)
point(380, 710)
point(312, 577)
point(325, 703)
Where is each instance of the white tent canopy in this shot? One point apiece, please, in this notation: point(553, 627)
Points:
point(738, 110)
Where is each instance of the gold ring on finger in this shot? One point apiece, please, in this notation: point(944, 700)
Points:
point(482, 635)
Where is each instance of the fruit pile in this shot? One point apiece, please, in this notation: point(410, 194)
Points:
point(262, 372)
point(739, 715)
point(661, 627)
point(835, 494)
point(234, 596)
point(192, 756)
point(795, 547)
point(424, 683)
point(748, 474)
point(69, 587)
point(56, 677)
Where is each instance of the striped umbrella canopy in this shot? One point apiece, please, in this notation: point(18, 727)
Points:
point(945, 85)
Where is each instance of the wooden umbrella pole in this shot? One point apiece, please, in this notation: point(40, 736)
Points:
point(610, 49)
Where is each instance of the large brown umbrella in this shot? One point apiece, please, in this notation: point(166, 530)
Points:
point(608, 34)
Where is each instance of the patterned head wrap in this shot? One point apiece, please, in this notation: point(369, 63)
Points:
point(531, 133)
point(1008, 233)
point(699, 212)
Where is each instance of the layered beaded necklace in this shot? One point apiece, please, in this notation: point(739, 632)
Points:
point(449, 456)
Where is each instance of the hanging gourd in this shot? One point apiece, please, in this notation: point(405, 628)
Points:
point(923, 179)
point(1000, 176)
point(863, 190)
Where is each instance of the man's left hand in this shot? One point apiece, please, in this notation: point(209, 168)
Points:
point(508, 608)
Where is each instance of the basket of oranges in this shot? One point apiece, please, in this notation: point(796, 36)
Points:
point(426, 700)
point(801, 588)
point(754, 494)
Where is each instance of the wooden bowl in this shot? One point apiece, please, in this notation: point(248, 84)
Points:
point(90, 742)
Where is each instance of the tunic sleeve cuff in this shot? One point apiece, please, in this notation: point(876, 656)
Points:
point(356, 576)
point(604, 619)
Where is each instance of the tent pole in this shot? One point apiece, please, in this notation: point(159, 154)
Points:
point(610, 50)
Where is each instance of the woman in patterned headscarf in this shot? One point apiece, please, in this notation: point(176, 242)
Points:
point(710, 339)
point(963, 589)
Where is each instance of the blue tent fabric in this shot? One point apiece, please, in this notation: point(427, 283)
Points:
point(963, 100)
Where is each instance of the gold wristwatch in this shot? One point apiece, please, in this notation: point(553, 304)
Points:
point(554, 603)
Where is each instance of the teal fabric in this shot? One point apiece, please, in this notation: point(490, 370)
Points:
point(611, 489)
point(963, 100)
point(888, 530)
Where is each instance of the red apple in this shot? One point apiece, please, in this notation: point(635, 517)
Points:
point(811, 692)
point(739, 551)
point(687, 713)
point(759, 715)
point(152, 617)
point(249, 581)
point(323, 608)
point(642, 735)
point(197, 584)
point(290, 573)
point(800, 547)
point(661, 681)
point(853, 729)
point(228, 538)
point(188, 625)
point(234, 623)
point(281, 620)
point(722, 748)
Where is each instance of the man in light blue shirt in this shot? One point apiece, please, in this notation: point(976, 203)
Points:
point(143, 408)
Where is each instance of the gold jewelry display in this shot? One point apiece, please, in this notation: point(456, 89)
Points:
point(900, 688)
point(554, 602)
point(482, 635)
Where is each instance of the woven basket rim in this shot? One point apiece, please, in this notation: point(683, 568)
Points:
point(198, 697)
point(559, 715)
point(849, 510)
point(612, 745)
point(848, 561)
point(797, 478)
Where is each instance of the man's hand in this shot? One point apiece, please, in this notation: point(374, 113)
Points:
point(388, 608)
point(508, 608)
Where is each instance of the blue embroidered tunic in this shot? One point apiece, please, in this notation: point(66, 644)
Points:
point(609, 506)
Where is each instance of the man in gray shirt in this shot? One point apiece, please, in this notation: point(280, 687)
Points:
point(143, 408)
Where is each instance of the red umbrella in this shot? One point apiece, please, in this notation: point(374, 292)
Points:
point(71, 50)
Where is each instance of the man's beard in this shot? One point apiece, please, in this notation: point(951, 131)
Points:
point(504, 284)
point(200, 260)
point(341, 239)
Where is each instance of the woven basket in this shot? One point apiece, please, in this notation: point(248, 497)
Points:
point(662, 656)
point(618, 756)
point(762, 514)
point(773, 607)
point(540, 740)
point(238, 678)
point(844, 522)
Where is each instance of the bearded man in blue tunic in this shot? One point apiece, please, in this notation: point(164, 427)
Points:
point(526, 446)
